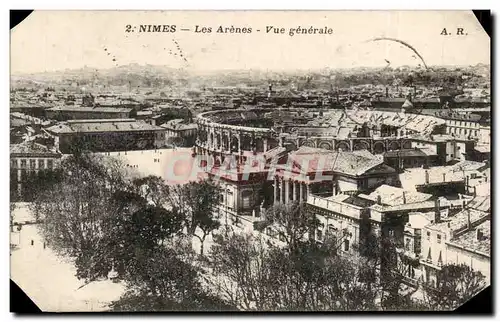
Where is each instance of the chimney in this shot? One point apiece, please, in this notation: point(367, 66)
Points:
point(468, 220)
point(479, 234)
point(444, 177)
point(426, 176)
point(463, 204)
point(379, 200)
point(410, 97)
point(404, 197)
point(386, 91)
point(474, 191)
point(437, 212)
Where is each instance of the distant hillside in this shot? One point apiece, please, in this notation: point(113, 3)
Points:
point(156, 76)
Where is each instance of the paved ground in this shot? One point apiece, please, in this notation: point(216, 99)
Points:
point(49, 280)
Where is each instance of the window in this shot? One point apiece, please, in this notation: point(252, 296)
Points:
point(246, 198)
point(408, 244)
point(41, 163)
point(346, 245)
point(391, 232)
point(439, 239)
point(32, 164)
point(319, 234)
point(23, 163)
point(13, 163)
point(428, 235)
point(50, 164)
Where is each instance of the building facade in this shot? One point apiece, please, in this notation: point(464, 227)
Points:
point(64, 113)
point(107, 135)
point(27, 158)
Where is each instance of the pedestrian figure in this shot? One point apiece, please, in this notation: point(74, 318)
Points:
point(43, 245)
point(32, 242)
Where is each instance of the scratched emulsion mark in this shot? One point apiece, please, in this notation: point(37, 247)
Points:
point(363, 114)
point(404, 43)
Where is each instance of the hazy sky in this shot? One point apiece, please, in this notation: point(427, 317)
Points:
point(56, 40)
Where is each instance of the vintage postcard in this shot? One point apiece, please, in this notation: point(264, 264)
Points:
point(250, 160)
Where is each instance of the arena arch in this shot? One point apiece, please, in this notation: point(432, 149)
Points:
point(394, 145)
point(309, 143)
point(343, 146)
point(406, 144)
point(325, 145)
point(378, 147)
point(361, 145)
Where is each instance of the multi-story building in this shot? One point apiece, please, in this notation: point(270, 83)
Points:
point(462, 238)
point(462, 125)
point(26, 158)
point(180, 132)
point(410, 254)
point(64, 113)
point(313, 170)
point(107, 135)
point(381, 217)
point(443, 148)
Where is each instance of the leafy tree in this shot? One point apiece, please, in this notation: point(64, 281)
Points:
point(197, 202)
point(39, 181)
point(456, 284)
point(76, 208)
point(153, 189)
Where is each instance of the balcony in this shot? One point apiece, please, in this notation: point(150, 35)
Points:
point(335, 206)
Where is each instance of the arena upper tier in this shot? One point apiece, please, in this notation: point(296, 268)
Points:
point(248, 132)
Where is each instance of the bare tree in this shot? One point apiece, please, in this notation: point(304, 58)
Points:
point(290, 222)
point(239, 270)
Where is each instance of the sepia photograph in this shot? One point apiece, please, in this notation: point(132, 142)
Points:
point(250, 161)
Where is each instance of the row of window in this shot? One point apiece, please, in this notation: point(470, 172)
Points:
point(32, 163)
point(463, 131)
point(438, 238)
point(463, 123)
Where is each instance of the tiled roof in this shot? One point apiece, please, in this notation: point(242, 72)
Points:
point(394, 196)
point(404, 153)
point(111, 125)
point(96, 109)
point(467, 165)
point(417, 176)
point(271, 154)
point(458, 222)
point(326, 160)
point(481, 203)
point(420, 123)
point(178, 124)
point(31, 148)
point(470, 241)
point(364, 153)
